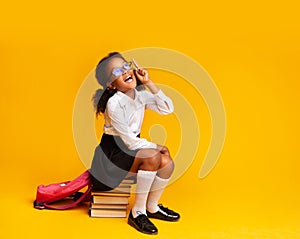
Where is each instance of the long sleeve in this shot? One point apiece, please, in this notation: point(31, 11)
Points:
point(158, 102)
point(119, 123)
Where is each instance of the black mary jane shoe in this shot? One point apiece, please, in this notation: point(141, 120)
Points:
point(165, 214)
point(142, 224)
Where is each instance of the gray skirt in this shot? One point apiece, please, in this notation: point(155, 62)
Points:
point(111, 163)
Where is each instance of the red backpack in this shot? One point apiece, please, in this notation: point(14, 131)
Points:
point(59, 191)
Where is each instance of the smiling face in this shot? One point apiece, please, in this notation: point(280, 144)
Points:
point(126, 81)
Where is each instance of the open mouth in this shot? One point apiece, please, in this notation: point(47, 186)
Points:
point(128, 79)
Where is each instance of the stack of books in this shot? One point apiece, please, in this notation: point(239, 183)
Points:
point(111, 203)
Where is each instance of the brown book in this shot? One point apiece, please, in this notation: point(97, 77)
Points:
point(111, 194)
point(118, 190)
point(122, 188)
point(108, 206)
point(107, 213)
point(109, 200)
point(129, 181)
point(124, 185)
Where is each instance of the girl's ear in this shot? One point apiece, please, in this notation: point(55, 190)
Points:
point(111, 86)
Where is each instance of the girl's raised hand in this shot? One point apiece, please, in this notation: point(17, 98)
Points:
point(141, 73)
point(163, 149)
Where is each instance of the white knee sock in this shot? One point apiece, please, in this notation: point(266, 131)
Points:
point(156, 190)
point(143, 185)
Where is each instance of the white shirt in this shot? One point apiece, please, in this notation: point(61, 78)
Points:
point(124, 115)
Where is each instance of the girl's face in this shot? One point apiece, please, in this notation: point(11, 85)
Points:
point(122, 76)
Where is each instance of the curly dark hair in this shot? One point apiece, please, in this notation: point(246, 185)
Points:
point(101, 96)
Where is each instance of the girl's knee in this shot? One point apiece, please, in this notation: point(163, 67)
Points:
point(150, 158)
point(154, 161)
point(147, 153)
point(167, 161)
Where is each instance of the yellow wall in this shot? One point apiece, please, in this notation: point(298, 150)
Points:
point(251, 50)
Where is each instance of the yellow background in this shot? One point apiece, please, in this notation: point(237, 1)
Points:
point(251, 50)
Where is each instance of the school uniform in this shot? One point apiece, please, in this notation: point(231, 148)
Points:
point(121, 141)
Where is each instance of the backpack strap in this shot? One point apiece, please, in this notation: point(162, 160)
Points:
point(73, 204)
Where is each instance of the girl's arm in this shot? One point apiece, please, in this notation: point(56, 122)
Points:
point(143, 76)
point(156, 101)
point(159, 102)
point(119, 124)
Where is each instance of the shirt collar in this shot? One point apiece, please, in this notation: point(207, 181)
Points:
point(124, 99)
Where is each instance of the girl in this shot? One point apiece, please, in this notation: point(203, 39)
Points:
point(121, 150)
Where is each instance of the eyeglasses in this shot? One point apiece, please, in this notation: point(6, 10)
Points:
point(121, 70)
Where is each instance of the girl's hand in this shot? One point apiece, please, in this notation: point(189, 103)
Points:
point(163, 149)
point(143, 75)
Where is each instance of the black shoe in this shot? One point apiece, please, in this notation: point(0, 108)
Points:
point(142, 224)
point(165, 214)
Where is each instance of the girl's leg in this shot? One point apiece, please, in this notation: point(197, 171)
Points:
point(166, 167)
point(146, 164)
point(159, 183)
point(153, 172)
point(147, 160)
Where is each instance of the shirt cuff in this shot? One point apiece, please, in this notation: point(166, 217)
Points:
point(152, 145)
